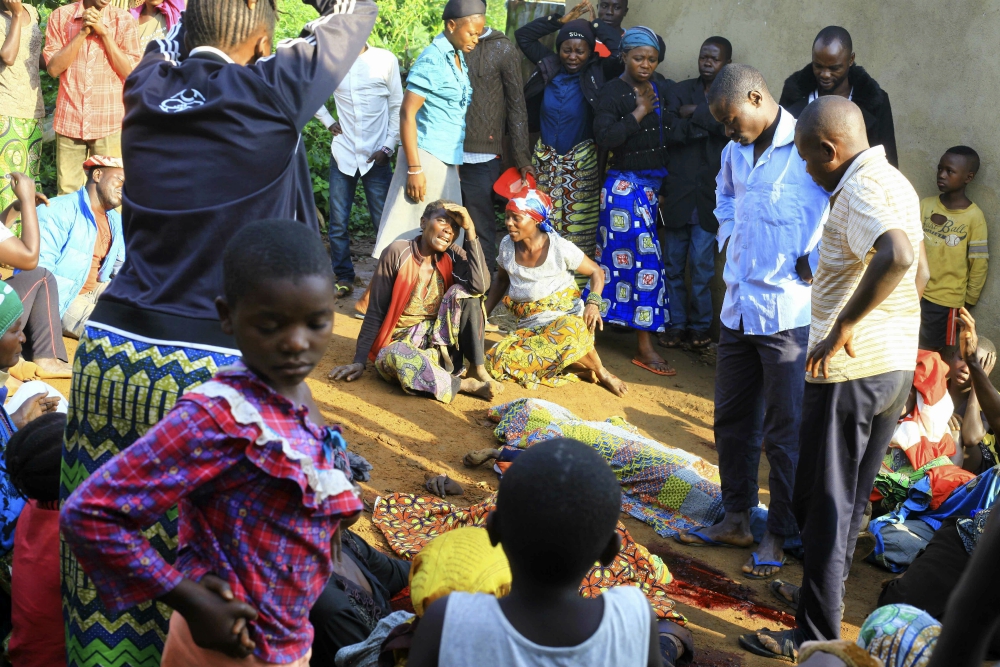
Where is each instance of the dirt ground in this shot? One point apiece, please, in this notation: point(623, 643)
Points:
point(408, 438)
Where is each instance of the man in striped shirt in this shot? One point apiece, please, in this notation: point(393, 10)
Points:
point(862, 353)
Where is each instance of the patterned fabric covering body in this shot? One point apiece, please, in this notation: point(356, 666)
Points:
point(628, 250)
point(20, 150)
point(413, 360)
point(540, 355)
point(573, 183)
point(965, 501)
point(11, 505)
point(667, 488)
point(409, 522)
point(900, 635)
point(121, 388)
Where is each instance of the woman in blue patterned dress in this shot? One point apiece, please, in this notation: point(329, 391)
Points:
point(632, 123)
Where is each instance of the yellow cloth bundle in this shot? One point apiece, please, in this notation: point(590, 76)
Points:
point(459, 560)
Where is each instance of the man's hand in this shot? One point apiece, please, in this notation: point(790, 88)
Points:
point(687, 110)
point(460, 215)
point(577, 12)
point(592, 317)
point(347, 373)
point(33, 408)
point(92, 19)
point(216, 619)
point(379, 157)
point(335, 129)
point(525, 171)
point(955, 423)
point(804, 270)
point(968, 340)
point(841, 337)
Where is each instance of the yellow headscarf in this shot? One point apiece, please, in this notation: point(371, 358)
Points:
point(460, 560)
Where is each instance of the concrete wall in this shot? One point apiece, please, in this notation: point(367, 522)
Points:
point(936, 61)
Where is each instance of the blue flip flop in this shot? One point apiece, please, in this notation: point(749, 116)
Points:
point(705, 540)
point(757, 562)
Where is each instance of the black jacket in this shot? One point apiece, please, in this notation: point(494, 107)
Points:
point(547, 65)
point(868, 95)
point(634, 146)
point(695, 146)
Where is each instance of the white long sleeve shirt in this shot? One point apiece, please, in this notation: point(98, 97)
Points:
point(368, 101)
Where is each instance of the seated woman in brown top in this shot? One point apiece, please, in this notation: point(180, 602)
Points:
point(425, 312)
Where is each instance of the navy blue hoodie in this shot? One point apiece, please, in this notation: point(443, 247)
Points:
point(210, 146)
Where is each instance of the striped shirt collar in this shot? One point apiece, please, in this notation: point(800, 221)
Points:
point(872, 153)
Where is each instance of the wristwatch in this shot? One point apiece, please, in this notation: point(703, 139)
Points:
point(388, 151)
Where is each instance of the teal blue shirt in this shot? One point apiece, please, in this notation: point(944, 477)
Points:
point(447, 92)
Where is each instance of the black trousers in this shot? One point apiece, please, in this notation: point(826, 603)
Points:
point(472, 332)
point(930, 579)
point(480, 200)
point(846, 427)
point(42, 326)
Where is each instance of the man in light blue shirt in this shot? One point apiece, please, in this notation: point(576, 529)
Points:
point(771, 212)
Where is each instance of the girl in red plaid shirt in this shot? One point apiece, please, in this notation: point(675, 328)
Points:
point(260, 482)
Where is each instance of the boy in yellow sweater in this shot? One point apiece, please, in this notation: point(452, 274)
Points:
point(955, 238)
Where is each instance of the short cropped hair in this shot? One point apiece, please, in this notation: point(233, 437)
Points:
point(725, 46)
point(34, 455)
point(271, 250)
point(558, 506)
point(226, 23)
point(735, 82)
point(438, 205)
point(834, 33)
point(987, 345)
point(971, 158)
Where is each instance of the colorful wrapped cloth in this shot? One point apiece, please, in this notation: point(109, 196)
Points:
point(900, 635)
point(20, 150)
point(413, 358)
point(922, 445)
point(410, 522)
point(965, 501)
point(573, 183)
point(121, 388)
point(667, 488)
point(628, 249)
point(542, 348)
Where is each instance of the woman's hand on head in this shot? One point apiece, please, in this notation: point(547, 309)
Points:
point(592, 317)
point(347, 373)
point(461, 215)
point(416, 187)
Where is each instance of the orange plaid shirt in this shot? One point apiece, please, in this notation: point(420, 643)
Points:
point(90, 104)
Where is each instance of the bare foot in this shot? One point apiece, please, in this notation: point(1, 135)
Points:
point(480, 373)
point(53, 368)
point(733, 531)
point(770, 549)
point(479, 457)
point(612, 383)
point(587, 376)
point(474, 387)
point(442, 485)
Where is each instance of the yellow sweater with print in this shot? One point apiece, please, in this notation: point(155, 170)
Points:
point(956, 252)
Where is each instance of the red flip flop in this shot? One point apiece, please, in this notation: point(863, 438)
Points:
point(671, 372)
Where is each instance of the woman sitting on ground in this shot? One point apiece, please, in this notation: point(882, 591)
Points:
point(554, 340)
point(425, 312)
point(35, 285)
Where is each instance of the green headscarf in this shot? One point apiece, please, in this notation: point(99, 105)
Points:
point(10, 307)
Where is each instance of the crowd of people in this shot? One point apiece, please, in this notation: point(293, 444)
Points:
point(190, 505)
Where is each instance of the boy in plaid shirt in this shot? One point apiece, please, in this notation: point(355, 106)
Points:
point(260, 482)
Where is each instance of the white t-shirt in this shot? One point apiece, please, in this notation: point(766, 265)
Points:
point(555, 273)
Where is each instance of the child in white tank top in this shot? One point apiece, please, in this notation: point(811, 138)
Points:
point(556, 514)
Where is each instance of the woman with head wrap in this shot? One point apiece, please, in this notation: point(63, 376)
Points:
point(561, 96)
point(554, 340)
point(156, 18)
point(632, 123)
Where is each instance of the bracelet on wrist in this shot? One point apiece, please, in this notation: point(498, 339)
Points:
point(594, 299)
point(419, 170)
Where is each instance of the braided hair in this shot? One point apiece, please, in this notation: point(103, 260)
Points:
point(226, 23)
point(34, 455)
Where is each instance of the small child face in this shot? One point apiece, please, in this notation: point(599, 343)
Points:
point(283, 327)
point(953, 173)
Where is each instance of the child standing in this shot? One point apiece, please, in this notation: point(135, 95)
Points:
point(556, 513)
point(259, 480)
point(955, 239)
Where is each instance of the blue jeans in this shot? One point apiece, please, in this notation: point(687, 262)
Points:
point(342, 189)
point(692, 247)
